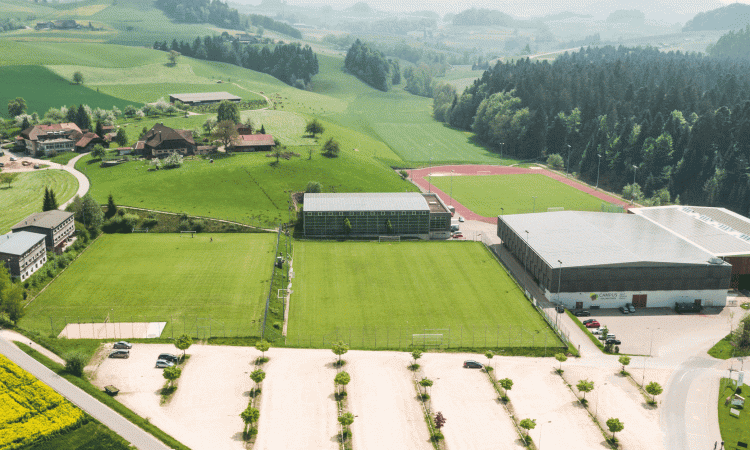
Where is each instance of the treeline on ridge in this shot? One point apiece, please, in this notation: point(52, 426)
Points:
point(290, 63)
point(372, 67)
point(683, 120)
point(270, 24)
point(732, 45)
point(202, 11)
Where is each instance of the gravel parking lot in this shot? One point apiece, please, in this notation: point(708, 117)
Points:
point(474, 417)
point(671, 332)
point(382, 397)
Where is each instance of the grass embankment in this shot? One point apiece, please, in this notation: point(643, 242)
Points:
point(25, 195)
point(725, 350)
point(104, 398)
point(158, 277)
point(378, 295)
point(485, 195)
point(733, 429)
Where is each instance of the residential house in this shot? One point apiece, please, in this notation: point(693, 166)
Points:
point(160, 141)
point(56, 226)
point(23, 253)
point(253, 143)
point(87, 142)
point(45, 139)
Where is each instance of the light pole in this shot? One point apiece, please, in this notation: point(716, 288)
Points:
point(534, 209)
point(568, 164)
point(597, 170)
point(541, 428)
point(502, 144)
point(632, 189)
point(650, 348)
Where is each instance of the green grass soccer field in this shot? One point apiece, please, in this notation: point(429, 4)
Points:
point(211, 280)
point(25, 195)
point(486, 194)
point(378, 295)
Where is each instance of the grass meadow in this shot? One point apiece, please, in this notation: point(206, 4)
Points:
point(163, 277)
point(486, 194)
point(25, 195)
point(376, 295)
point(43, 90)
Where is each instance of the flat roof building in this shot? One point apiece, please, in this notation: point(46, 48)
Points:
point(23, 253)
point(405, 214)
point(57, 226)
point(203, 98)
point(608, 259)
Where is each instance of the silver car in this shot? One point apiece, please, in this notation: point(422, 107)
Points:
point(624, 310)
point(161, 364)
point(630, 307)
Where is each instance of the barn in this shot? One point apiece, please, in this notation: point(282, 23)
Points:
point(605, 260)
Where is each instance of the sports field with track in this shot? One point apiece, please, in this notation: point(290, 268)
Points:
point(211, 280)
point(378, 295)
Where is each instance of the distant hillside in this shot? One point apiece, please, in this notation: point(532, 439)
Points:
point(730, 17)
point(361, 8)
point(626, 16)
point(732, 45)
point(485, 17)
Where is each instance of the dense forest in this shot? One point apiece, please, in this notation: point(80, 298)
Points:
point(678, 124)
point(10, 24)
point(730, 17)
point(372, 67)
point(488, 17)
point(202, 11)
point(270, 24)
point(290, 63)
point(732, 45)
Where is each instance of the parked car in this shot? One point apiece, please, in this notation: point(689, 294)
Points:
point(454, 228)
point(460, 219)
point(589, 321)
point(2, 164)
point(13, 158)
point(168, 357)
point(120, 354)
point(560, 309)
point(471, 364)
point(624, 310)
point(613, 342)
point(593, 324)
point(161, 364)
point(607, 337)
point(597, 332)
point(123, 344)
point(581, 313)
point(457, 235)
point(630, 307)
point(37, 166)
point(25, 163)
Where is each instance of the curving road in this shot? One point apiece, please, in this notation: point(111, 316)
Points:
point(127, 430)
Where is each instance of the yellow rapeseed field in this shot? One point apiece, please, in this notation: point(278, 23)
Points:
point(29, 409)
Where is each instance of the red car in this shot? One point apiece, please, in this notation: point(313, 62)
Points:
point(457, 235)
point(593, 324)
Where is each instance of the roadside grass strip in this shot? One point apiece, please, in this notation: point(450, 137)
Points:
point(31, 410)
point(734, 428)
point(516, 194)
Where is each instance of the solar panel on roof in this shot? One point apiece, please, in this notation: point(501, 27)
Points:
point(705, 218)
point(745, 237)
point(686, 209)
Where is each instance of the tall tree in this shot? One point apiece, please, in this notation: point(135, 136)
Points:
point(226, 132)
point(228, 111)
point(16, 107)
point(82, 118)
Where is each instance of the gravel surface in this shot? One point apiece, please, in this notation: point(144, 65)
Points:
point(474, 417)
point(297, 409)
point(383, 399)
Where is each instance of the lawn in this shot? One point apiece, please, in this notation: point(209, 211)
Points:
point(725, 350)
point(376, 295)
point(733, 429)
point(24, 196)
point(43, 90)
point(218, 281)
point(245, 187)
point(90, 436)
point(485, 195)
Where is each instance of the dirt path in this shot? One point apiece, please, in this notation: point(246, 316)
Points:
point(474, 417)
point(382, 397)
point(13, 336)
point(420, 177)
point(297, 408)
point(268, 100)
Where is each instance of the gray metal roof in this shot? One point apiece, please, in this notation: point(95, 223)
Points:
point(46, 219)
point(390, 201)
point(716, 230)
point(205, 96)
point(585, 239)
point(19, 243)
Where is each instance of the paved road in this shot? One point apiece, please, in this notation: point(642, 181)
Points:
point(133, 434)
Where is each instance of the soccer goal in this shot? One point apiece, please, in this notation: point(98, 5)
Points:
point(389, 238)
point(187, 233)
point(427, 340)
point(556, 208)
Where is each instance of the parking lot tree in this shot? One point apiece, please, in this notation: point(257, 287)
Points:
point(16, 107)
point(624, 360)
point(314, 127)
point(506, 384)
point(528, 425)
point(585, 386)
point(342, 379)
point(8, 178)
point(249, 416)
point(415, 354)
point(339, 348)
point(425, 383)
point(346, 420)
point(439, 420)
point(262, 346)
point(171, 374)
point(257, 376)
point(654, 389)
point(562, 358)
point(489, 354)
point(615, 426)
point(183, 343)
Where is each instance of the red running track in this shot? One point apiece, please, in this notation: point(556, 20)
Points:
point(418, 177)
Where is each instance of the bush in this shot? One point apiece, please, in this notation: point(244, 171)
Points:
point(437, 436)
point(277, 325)
point(404, 174)
point(313, 187)
point(555, 161)
point(74, 363)
point(121, 223)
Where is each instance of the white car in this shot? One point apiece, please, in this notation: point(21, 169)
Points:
point(597, 331)
point(460, 219)
point(13, 158)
